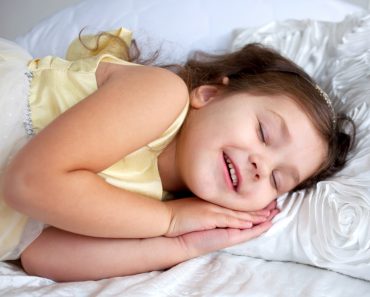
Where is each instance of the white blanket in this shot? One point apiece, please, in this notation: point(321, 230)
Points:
point(217, 274)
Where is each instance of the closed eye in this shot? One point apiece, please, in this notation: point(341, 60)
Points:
point(263, 137)
point(262, 133)
point(274, 181)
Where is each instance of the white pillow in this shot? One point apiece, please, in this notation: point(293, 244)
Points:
point(174, 26)
point(326, 226)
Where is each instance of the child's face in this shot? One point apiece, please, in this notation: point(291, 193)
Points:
point(269, 140)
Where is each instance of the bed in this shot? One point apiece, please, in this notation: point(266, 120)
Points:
point(320, 242)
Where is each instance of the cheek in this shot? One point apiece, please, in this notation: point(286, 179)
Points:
point(262, 204)
point(265, 202)
point(257, 199)
point(196, 171)
point(204, 179)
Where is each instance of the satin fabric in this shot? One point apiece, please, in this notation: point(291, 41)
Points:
point(327, 225)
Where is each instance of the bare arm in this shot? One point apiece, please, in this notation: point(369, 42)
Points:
point(54, 180)
point(54, 177)
point(64, 256)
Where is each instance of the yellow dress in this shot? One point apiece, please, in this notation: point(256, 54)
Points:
point(57, 84)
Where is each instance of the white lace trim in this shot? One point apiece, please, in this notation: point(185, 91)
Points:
point(27, 121)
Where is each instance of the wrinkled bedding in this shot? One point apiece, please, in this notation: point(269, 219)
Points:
point(217, 274)
point(326, 225)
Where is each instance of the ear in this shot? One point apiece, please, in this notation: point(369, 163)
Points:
point(203, 95)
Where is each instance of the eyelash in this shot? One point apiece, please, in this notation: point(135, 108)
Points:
point(262, 134)
point(274, 181)
point(263, 138)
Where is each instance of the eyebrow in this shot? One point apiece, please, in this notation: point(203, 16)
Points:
point(287, 136)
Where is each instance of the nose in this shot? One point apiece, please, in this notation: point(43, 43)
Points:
point(259, 167)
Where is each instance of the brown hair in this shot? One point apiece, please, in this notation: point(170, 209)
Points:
point(259, 70)
point(105, 42)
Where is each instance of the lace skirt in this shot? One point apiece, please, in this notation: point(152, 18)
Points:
point(16, 230)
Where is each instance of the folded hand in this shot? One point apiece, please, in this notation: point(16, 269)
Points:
point(194, 214)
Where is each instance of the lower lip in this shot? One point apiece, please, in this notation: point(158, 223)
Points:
point(226, 174)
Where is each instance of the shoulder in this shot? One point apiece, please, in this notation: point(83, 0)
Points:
point(164, 85)
point(154, 95)
point(144, 99)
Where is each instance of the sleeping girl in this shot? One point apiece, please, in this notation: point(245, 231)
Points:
point(112, 168)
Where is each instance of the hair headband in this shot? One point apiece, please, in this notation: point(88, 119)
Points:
point(325, 96)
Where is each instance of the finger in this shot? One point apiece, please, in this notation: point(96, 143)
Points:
point(240, 236)
point(231, 236)
point(274, 212)
point(227, 218)
point(262, 212)
point(201, 242)
point(254, 217)
point(230, 221)
point(258, 219)
point(272, 205)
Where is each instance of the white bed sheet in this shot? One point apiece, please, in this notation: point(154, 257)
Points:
point(217, 274)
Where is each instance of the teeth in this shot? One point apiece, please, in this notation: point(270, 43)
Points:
point(231, 168)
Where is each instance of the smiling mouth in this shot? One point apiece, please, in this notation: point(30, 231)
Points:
point(232, 172)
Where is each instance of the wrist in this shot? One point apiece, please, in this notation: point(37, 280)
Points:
point(168, 252)
point(170, 213)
